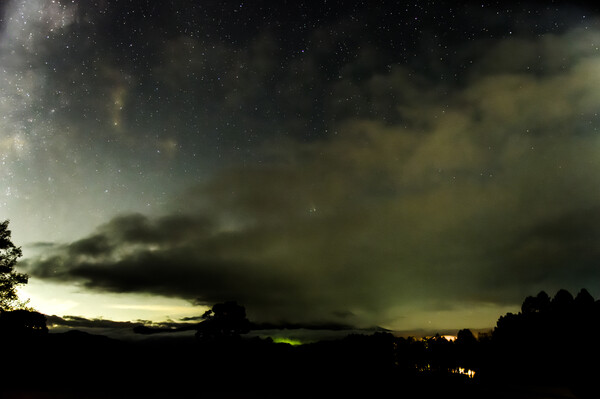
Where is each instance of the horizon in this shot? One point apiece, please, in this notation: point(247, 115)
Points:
point(407, 166)
point(521, 357)
point(293, 334)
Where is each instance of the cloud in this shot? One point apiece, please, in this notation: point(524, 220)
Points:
point(448, 204)
point(82, 322)
point(138, 330)
point(559, 252)
point(172, 255)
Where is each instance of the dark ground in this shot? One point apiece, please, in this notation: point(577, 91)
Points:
point(80, 365)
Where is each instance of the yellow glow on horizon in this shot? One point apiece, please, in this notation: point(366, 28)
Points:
point(112, 306)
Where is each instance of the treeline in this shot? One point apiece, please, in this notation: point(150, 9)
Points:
point(550, 341)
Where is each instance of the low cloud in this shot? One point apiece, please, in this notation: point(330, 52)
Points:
point(82, 322)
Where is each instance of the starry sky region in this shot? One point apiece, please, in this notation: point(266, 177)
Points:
point(407, 165)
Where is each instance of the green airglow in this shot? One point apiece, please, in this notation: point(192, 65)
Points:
point(284, 340)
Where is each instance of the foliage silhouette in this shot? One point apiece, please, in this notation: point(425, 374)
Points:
point(537, 304)
point(547, 341)
point(9, 278)
point(584, 300)
point(22, 322)
point(223, 321)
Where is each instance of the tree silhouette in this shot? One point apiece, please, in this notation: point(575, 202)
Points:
point(9, 278)
point(224, 320)
point(537, 304)
point(550, 340)
point(562, 301)
point(22, 323)
point(465, 337)
point(584, 300)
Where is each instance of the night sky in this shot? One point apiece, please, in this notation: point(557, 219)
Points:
point(406, 165)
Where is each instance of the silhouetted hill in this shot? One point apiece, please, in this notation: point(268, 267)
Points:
point(549, 345)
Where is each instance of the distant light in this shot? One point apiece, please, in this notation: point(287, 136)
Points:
point(461, 370)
